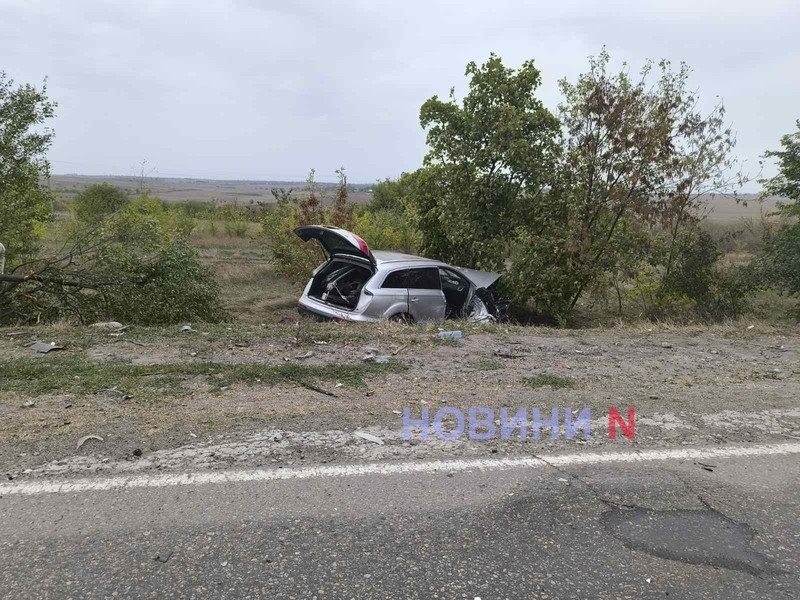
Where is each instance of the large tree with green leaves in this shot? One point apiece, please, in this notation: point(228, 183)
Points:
point(638, 155)
point(490, 157)
point(24, 140)
point(780, 257)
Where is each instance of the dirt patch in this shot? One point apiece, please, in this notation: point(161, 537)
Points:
point(686, 388)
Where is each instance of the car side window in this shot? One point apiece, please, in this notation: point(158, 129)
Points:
point(396, 279)
point(424, 279)
point(450, 280)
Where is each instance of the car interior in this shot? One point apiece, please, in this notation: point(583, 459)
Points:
point(456, 292)
point(340, 283)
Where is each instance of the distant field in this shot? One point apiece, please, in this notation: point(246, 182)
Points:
point(722, 208)
point(178, 190)
point(726, 209)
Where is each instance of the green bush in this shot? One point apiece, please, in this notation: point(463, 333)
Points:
point(694, 282)
point(169, 286)
point(779, 261)
point(290, 256)
point(136, 266)
point(147, 223)
point(235, 219)
point(97, 202)
point(387, 230)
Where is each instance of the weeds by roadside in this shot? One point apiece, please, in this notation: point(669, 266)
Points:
point(77, 376)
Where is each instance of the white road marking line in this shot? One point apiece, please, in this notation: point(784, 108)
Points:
point(29, 488)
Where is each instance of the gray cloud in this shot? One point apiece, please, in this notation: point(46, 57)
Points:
point(266, 90)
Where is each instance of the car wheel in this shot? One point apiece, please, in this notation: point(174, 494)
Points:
point(402, 318)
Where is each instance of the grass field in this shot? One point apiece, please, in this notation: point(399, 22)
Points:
point(202, 190)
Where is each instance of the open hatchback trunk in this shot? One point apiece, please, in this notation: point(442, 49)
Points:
point(350, 265)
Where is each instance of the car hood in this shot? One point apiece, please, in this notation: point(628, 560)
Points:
point(481, 279)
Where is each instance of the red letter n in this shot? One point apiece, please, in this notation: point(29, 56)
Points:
point(614, 418)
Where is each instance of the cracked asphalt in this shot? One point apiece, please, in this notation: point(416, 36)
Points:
point(673, 527)
point(665, 529)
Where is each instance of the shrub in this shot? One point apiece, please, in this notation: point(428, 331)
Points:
point(696, 281)
point(387, 230)
point(169, 286)
point(234, 218)
point(291, 257)
point(137, 266)
point(97, 202)
point(779, 261)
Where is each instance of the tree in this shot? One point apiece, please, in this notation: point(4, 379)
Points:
point(779, 260)
point(97, 202)
point(638, 155)
point(25, 204)
point(787, 182)
point(393, 194)
point(490, 159)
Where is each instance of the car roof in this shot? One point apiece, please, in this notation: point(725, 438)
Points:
point(387, 256)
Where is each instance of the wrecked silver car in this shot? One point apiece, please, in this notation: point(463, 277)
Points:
point(357, 284)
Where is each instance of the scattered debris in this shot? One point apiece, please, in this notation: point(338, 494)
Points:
point(369, 437)
point(132, 342)
point(339, 384)
point(706, 467)
point(137, 453)
point(398, 350)
point(29, 404)
point(187, 328)
point(44, 347)
point(666, 345)
point(15, 333)
point(163, 557)
point(507, 354)
point(750, 326)
point(450, 335)
point(110, 391)
point(370, 356)
point(314, 388)
point(107, 325)
point(308, 354)
point(86, 438)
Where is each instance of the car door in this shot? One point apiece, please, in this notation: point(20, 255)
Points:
point(391, 298)
point(426, 300)
point(457, 291)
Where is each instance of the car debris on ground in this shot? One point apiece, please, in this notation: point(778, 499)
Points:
point(107, 325)
point(369, 437)
point(44, 347)
point(86, 438)
point(450, 335)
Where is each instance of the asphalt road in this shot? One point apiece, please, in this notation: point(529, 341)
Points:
point(667, 528)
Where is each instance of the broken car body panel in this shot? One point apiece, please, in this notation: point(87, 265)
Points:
point(356, 284)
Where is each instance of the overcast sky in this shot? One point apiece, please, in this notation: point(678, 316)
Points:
point(247, 89)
